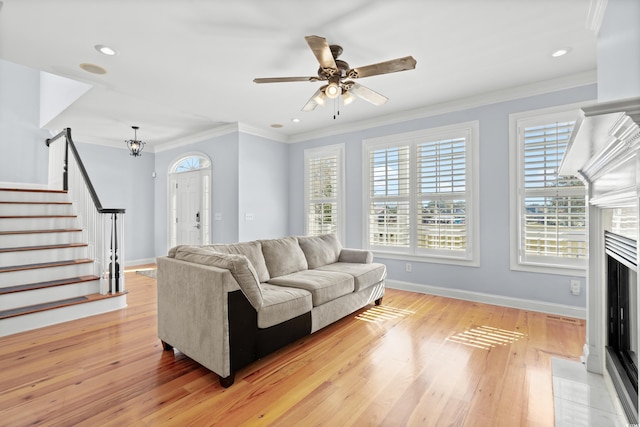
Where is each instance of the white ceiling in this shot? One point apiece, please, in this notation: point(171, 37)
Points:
point(187, 67)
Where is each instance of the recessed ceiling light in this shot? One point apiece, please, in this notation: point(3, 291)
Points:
point(93, 68)
point(560, 52)
point(105, 50)
point(295, 120)
point(276, 125)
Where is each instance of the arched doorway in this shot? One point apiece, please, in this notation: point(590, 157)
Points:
point(190, 200)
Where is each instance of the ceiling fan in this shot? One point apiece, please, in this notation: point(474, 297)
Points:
point(339, 76)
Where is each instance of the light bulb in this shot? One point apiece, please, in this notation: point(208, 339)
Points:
point(333, 90)
point(319, 98)
point(347, 98)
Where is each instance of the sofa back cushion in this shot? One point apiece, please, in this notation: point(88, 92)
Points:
point(283, 256)
point(320, 250)
point(239, 266)
point(252, 250)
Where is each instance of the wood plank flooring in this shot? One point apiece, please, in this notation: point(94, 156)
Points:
point(415, 360)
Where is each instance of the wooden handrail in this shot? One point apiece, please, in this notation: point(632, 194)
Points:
point(69, 143)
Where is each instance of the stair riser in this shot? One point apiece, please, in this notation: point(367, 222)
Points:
point(39, 296)
point(14, 209)
point(40, 239)
point(16, 278)
point(32, 196)
point(28, 322)
point(44, 255)
point(12, 224)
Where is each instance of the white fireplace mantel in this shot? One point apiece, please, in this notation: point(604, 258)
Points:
point(604, 151)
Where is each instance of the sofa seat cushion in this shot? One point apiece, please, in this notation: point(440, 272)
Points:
point(281, 303)
point(253, 252)
point(365, 275)
point(320, 250)
point(283, 256)
point(323, 285)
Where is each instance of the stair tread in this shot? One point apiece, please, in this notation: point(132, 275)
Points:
point(43, 247)
point(47, 284)
point(57, 230)
point(55, 304)
point(44, 265)
point(33, 190)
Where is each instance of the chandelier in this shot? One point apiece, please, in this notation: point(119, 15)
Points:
point(135, 145)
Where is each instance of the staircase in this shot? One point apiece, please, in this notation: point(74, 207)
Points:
point(47, 272)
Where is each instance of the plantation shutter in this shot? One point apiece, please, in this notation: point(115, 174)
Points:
point(322, 173)
point(441, 170)
point(389, 220)
point(553, 206)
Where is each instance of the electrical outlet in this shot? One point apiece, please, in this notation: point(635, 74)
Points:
point(407, 267)
point(248, 217)
point(575, 287)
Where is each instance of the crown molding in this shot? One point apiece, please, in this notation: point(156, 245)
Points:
point(198, 137)
point(539, 88)
point(567, 82)
point(252, 130)
point(596, 15)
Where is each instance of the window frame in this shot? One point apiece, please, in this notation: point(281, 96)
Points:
point(471, 255)
point(337, 150)
point(517, 194)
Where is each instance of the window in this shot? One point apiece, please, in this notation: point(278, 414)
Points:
point(323, 191)
point(548, 209)
point(421, 194)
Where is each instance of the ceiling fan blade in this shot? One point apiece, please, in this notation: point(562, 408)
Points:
point(321, 50)
point(367, 94)
point(285, 79)
point(312, 103)
point(386, 67)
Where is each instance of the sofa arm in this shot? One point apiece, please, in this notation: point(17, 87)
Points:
point(193, 311)
point(359, 256)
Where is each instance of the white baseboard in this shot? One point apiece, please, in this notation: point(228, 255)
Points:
point(134, 262)
point(520, 303)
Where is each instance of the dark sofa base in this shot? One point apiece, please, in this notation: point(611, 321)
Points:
point(249, 343)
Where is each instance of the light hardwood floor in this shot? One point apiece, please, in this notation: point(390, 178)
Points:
point(415, 360)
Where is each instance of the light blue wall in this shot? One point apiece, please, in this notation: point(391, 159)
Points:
point(619, 51)
point(494, 275)
point(223, 152)
point(263, 178)
point(123, 181)
point(24, 156)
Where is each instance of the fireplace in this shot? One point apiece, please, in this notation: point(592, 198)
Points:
point(604, 151)
point(622, 313)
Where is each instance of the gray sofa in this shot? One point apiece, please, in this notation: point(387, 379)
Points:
point(226, 306)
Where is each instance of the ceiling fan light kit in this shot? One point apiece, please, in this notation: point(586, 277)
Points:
point(336, 71)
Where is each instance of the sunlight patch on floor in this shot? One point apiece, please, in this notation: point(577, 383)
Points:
point(485, 337)
point(381, 313)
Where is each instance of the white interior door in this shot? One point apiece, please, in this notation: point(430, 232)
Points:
point(189, 210)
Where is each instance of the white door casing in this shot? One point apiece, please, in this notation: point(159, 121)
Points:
point(189, 200)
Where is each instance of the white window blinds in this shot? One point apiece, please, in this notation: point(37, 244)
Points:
point(552, 206)
point(323, 191)
point(389, 197)
point(418, 193)
point(441, 194)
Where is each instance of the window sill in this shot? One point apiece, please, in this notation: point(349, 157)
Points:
point(427, 259)
point(550, 269)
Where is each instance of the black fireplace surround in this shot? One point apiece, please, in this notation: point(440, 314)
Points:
point(622, 320)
